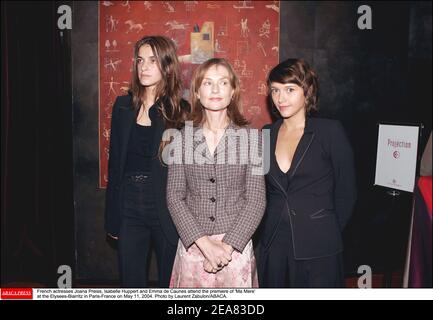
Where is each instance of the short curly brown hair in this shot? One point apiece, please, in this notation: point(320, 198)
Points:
point(299, 72)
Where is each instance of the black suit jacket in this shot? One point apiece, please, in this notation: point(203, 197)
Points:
point(122, 119)
point(321, 192)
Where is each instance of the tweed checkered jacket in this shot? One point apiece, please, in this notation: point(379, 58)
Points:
point(219, 194)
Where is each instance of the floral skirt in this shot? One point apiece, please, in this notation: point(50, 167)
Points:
point(188, 270)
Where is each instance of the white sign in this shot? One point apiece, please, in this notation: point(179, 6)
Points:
point(396, 157)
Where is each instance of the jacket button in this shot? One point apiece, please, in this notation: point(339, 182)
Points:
point(212, 199)
point(212, 180)
point(212, 218)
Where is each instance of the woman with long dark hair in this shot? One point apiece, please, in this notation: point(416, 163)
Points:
point(136, 209)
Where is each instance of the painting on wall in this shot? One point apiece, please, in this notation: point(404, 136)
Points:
point(244, 32)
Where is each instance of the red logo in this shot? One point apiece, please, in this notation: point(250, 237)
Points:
point(396, 154)
point(16, 293)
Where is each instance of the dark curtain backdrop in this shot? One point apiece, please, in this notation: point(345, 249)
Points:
point(52, 209)
point(367, 77)
point(37, 220)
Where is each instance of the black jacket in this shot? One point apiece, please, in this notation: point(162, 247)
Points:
point(321, 193)
point(122, 119)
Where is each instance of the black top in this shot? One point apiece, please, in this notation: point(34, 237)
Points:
point(139, 154)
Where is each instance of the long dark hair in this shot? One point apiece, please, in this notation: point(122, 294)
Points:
point(233, 110)
point(169, 89)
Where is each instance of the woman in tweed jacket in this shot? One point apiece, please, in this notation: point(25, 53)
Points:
point(214, 194)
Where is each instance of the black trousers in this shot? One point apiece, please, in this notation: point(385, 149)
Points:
point(278, 267)
point(139, 232)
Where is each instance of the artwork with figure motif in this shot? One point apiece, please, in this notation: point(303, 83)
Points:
point(244, 32)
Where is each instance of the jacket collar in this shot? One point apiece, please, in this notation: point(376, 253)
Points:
point(199, 139)
point(301, 150)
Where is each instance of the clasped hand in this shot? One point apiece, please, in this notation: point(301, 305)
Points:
point(217, 254)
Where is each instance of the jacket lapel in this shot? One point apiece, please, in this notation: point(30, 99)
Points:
point(223, 143)
point(199, 141)
point(273, 142)
point(302, 149)
point(128, 119)
point(158, 127)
